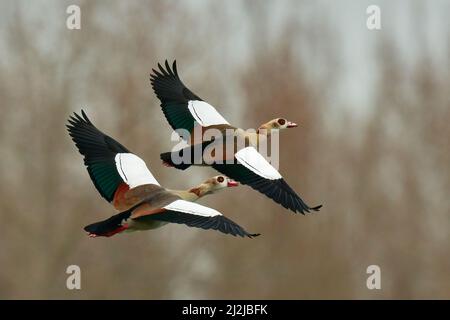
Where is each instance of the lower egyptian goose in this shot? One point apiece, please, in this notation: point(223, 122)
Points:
point(184, 110)
point(123, 179)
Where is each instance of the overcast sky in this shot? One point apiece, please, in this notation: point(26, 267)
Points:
point(403, 20)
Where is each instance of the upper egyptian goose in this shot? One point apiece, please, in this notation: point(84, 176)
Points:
point(185, 110)
point(124, 180)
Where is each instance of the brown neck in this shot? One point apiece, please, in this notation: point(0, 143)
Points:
point(192, 194)
point(264, 129)
point(199, 191)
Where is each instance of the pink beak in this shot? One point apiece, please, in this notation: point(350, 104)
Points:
point(291, 124)
point(232, 183)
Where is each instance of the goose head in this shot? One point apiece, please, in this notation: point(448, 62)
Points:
point(218, 183)
point(278, 124)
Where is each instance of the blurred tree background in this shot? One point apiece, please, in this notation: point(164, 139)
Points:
point(372, 146)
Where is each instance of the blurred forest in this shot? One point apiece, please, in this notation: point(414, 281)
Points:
point(379, 165)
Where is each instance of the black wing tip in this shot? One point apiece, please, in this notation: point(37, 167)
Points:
point(253, 235)
point(302, 210)
point(165, 70)
point(75, 119)
point(241, 233)
point(299, 206)
point(77, 124)
point(277, 190)
point(234, 229)
point(85, 117)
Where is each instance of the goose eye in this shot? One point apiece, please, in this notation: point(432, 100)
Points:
point(281, 122)
point(220, 179)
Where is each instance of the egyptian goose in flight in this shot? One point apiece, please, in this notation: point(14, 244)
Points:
point(185, 110)
point(123, 179)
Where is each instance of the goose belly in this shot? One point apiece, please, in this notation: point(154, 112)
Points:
point(134, 225)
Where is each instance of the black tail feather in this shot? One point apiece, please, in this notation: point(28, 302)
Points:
point(187, 156)
point(105, 227)
point(166, 157)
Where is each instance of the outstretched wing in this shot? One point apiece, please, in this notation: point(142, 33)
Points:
point(252, 169)
point(181, 107)
point(108, 162)
point(192, 215)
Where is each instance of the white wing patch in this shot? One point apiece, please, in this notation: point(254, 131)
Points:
point(133, 170)
point(192, 208)
point(205, 114)
point(254, 161)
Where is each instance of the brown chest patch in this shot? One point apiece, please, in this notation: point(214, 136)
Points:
point(196, 191)
point(119, 201)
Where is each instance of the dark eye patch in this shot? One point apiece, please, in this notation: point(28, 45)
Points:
point(220, 179)
point(281, 121)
